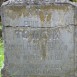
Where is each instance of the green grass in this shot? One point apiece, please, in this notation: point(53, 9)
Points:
point(1, 52)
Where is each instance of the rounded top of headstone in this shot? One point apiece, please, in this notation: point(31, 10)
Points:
point(36, 1)
point(29, 2)
point(40, 0)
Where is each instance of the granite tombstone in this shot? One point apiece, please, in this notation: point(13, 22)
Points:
point(40, 39)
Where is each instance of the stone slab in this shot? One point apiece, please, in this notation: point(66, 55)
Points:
point(39, 40)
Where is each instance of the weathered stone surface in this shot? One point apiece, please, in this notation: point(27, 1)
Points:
point(39, 16)
point(40, 51)
point(39, 40)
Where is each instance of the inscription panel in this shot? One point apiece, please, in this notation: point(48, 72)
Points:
point(45, 15)
point(40, 51)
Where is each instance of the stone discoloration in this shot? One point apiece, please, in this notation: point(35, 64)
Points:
point(19, 10)
point(45, 16)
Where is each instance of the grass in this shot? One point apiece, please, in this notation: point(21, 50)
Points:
point(1, 52)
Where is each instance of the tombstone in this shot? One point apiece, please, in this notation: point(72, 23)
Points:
point(40, 39)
